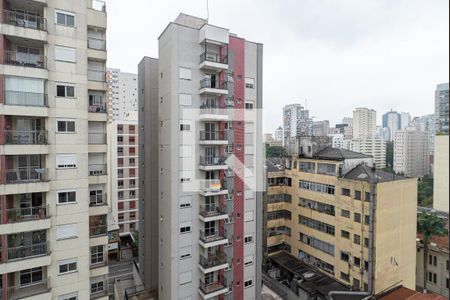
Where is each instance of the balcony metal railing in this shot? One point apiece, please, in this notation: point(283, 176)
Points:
point(98, 138)
point(26, 174)
point(19, 137)
point(211, 236)
point(22, 252)
point(212, 160)
point(24, 59)
point(98, 230)
point(214, 135)
point(212, 210)
point(97, 200)
point(15, 215)
point(213, 57)
point(211, 287)
point(211, 185)
point(24, 19)
point(97, 169)
point(96, 44)
point(204, 109)
point(25, 98)
point(25, 291)
point(96, 75)
point(97, 108)
point(213, 260)
point(213, 84)
point(98, 5)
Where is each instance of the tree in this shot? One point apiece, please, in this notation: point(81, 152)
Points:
point(389, 153)
point(429, 224)
point(425, 191)
point(275, 151)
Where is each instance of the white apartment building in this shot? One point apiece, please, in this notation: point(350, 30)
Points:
point(53, 230)
point(376, 147)
point(411, 153)
point(405, 120)
point(279, 134)
point(200, 236)
point(296, 122)
point(441, 112)
point(364, 123)
point(339, 141)
point(426, 124)
point(122, 94)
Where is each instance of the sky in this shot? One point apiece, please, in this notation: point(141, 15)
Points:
point(332, 55)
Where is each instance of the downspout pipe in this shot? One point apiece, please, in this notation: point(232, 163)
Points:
point(348, 293)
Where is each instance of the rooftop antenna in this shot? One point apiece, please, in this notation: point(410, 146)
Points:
point(207, 11)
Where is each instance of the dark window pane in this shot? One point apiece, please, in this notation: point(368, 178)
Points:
point(60, 91)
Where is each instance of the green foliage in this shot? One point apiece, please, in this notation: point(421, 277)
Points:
point(429, 224)
point(425, 192)
point(389, 153)
point(275, 151)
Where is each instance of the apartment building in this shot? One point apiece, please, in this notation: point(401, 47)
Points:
point(122, 94)
point(392, 121)
point(199, 110)
point(279, 134)
point(296, 122)
point(123, 145)
point(411, 153)
point(375, 147)
point(53, 231)
point(352, 222)
point(441, 113)
point(339, 141)
point(321, 128)
point(426, 124)
point(441, 173)
point(364, 123)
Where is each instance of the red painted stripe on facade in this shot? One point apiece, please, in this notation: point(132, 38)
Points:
point(237, 47)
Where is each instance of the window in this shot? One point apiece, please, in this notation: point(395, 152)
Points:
point(358, 195)
point(248, 217)
point(185, 201)
point(65, 54)
point(344, 256)
point(248, 260)
point(345, 276)
point(357, 261)
point(446, 283)
point(432, 277)
point(367, 196)
point(316, 243)
point(17, 87)
point(97, 286)
point(71, 296)
point(317, 187)
point(345, 213)
point(249, 83)
point(345, 192)
point(366, 242)
point(356, 239)
point(65, 90)
point(185, 125)
point(66, 161)
point(185, 227)
point(97, 254)
point(65, 126)
point(249, 105)
point(185, 99)
point(248, 238)
point(357, 217)
point(65, 18)
point(366, 219)
point(185, 73)
point(248, 283)
point(66, 231)
point(320, 226)
point(185, 252)
point(67, 197)
point(345, 234)
point(30, 276)
point(67, 266)
point(185, 277)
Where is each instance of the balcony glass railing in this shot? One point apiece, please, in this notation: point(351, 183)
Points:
point(96, 75)
point(204, 109)
point(213, 260)
point(28, 290)
point(212, 160)
point(26, 174)
point(20, 137)
point(14, 215)
point(213, 84)
point(97, 200)
point(214, 135)
point(213, 57)
point(27, 251)
point(211, 236)
point(24, 19)
point(212, 287)
point(97, 169)
point(96, 44)
point(97, 108)
point(24, 59)
point(212, 210)
point(98, 230)
point(25, 98)
point(97, 138)
point(211, 185)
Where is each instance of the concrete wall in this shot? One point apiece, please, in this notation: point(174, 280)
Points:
point(441, 162)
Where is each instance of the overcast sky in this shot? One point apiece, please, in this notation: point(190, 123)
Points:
point(337, 54)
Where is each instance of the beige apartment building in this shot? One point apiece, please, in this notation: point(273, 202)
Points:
point(53, 229)
point(350, 221)
point(440, 174)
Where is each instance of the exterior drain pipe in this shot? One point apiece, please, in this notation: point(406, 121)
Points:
point(349, 293)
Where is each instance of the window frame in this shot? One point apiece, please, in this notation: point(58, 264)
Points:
point(66, 131)
point(70, 263)
point(65, 85)
point(67, 196)
point(66, 14)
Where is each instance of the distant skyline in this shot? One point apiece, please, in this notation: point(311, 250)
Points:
point(338, 55)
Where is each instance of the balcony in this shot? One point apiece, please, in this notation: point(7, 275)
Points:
point(26, 175)
point(97, 169)
point(24, 19)
point(19, 137)
point(213, 262)
point(96, 138)
point(28, 251)
point(96, 44)
point(25, 98)
point(209, 86)
point(211, 239)
point(16, 215)
point(213, 289)
point(213, 138)
point(208, 113)
point(98, 108)
point(212, 187)
point(29, 290)
point(213, 61)
point(213, 212)
point(98, 5)
point(27, 60)
point(97, 200)
point(99, 230)
point(96, 75)
point(211, 163)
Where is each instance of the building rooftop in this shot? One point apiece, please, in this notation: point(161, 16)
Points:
point(331, 153)
point(402, 293)
point(363, 172)
point(440, 241)
point(274, 164)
